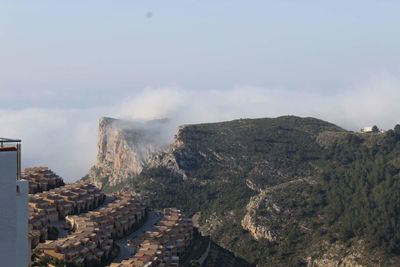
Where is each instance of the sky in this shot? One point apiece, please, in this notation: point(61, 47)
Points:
point(63, 64)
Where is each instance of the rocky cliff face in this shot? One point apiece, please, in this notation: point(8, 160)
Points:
point(338, 254)
point(124, 148)
point(267, 213)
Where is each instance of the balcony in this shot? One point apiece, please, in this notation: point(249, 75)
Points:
point(7, 144)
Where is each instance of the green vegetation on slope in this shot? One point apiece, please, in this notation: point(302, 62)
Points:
point(355, 194)
point(362, 189)
point(221, 158)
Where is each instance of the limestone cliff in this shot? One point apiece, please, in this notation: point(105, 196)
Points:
point(124, 147)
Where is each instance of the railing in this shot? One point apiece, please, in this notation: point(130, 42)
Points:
point(8, 140)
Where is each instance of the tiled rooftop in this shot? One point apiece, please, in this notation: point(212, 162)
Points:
point(50, 206)
point(163, 245)
point(94, 232)
point(41, 179)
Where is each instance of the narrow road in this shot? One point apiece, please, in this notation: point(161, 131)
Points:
point(62, 232)
point(125, 250)
point(61, 223)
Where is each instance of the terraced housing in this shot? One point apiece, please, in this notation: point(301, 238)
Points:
point(50, 206)
point(92, 239)
point(163, 246)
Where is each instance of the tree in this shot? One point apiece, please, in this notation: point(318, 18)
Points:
point(375, 129)
point(194, 263)
point(53, 233)
point(397, 131)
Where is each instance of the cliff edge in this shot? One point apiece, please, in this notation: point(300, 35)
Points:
point(124, 148)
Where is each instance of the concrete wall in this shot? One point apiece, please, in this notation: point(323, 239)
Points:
point(8, 167)
point(22, 243)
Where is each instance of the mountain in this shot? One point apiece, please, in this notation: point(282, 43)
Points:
point(285, 191)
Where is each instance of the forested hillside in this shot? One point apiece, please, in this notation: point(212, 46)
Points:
point(361, 183)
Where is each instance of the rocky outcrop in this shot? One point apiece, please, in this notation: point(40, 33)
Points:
point(169, 157)
point(337, 255)
point(267, 215)
point(257, 230)
point(341, 255)
point(124, 148)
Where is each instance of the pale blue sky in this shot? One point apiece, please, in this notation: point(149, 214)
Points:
point(85, 53)
point(63, 64)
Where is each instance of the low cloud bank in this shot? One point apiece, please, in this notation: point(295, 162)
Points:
point(375, 102)
point(65, 139)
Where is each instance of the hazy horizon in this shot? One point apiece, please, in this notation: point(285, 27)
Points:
point(63, 65)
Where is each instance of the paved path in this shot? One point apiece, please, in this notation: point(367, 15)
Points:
point(62, 232)
point(61, 223)
point(125, 251)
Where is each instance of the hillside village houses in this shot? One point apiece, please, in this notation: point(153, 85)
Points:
point(41, 179)
point(164, 244)
point(91, 240)
point(50, 206)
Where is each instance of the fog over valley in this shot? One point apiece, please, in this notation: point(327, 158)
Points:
point(65, 138)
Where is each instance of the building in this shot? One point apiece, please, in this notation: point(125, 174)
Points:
point(163, 246)
point(41, 179)
point(92, 236)
point(367, 129)
point(371, 129)
point(50, 206)
point(14, 247)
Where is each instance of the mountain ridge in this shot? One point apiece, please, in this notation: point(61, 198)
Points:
point(266, 185)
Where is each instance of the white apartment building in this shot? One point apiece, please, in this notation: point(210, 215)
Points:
point(14, 244)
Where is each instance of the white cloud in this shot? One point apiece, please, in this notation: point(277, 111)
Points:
point(65, 139)
point(152, 104)
point(375, 102)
